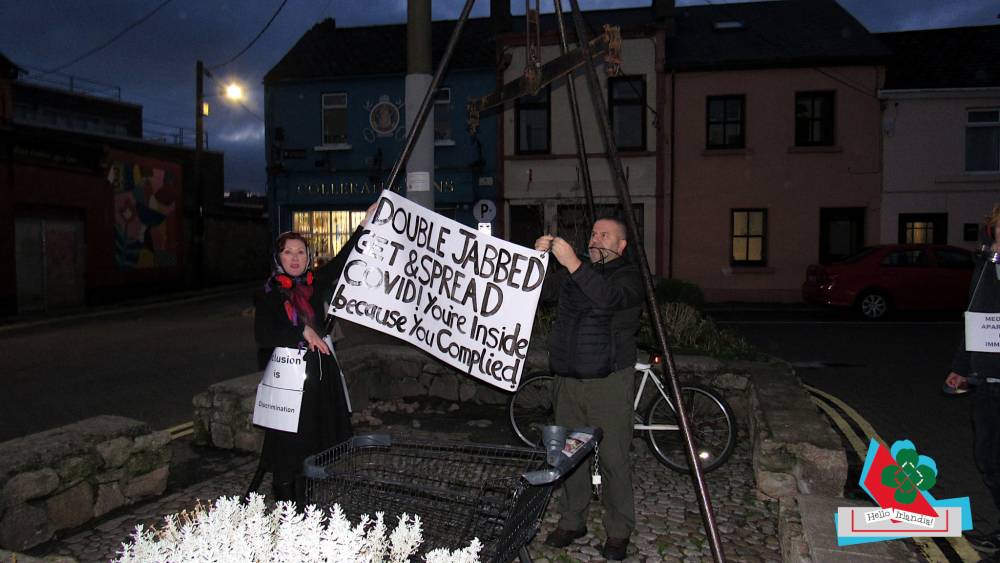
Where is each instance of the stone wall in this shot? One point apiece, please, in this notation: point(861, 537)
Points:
point(223, 415)
point(64, 477)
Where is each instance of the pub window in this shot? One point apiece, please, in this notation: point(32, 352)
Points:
point(726, 122)
point(334, 118)
point(442, 115)
point(532, 116)
point(627, 105)
point(814, 119)
point(326, 231)
point(982, 140)
point(749, 238)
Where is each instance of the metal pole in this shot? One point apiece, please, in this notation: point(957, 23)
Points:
point(621, 186)
point(581, 147)
point(418, 123)
point(199, 147)
point(420, 166)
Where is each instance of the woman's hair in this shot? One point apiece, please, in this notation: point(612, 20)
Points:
point(993, 219)
point(283, 238)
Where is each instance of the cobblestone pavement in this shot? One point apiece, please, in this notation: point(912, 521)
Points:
point(669, 526)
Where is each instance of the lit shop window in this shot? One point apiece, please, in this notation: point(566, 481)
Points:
point(327, 231)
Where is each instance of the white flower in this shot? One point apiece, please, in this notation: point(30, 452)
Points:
point(231, 531)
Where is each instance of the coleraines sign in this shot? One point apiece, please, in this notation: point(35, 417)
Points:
point(363, 188)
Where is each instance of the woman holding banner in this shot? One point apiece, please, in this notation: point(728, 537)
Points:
point(289, 322)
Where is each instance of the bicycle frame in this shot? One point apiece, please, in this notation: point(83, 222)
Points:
point(647, 374)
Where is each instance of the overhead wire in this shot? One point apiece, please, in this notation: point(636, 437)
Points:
point(116, 37)
point(254, 40)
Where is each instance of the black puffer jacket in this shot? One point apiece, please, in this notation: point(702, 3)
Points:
point(985, 299)
point(597, 318)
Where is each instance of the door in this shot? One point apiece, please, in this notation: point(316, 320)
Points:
point(841, 232)
point(50, 262)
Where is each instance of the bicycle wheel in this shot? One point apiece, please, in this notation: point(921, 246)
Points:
point(713, 429)
point(531, 406)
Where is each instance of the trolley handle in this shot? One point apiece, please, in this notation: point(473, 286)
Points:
point(565, 449)
point(313, 467)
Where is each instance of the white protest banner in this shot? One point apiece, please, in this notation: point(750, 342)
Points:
point(464, 297)
point(982, 332)
point(279, 394)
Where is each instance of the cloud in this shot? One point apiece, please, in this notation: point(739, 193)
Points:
point(251, 132)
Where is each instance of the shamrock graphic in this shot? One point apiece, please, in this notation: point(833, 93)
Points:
point(911, 474)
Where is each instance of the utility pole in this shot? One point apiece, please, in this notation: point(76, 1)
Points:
point(420, 166)
point(199, 147)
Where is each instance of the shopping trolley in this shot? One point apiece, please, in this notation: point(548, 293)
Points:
point(460, 491)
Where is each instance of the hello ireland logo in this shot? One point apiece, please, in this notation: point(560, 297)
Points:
point(910, 474)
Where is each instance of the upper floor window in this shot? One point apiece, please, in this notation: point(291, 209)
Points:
point(982, 141)
point(749, 239)
point(442, 114)
point(627, 105)
point(334, 118)
point(532, 116)
point(814, 119)
point(726, 122)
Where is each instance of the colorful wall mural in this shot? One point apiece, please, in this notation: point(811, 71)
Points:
point(147, 221)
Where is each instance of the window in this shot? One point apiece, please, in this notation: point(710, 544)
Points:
point(906, 258)
point(749, 240)
point(814, 119)
point(841, 232)
point(970, 232)
point(627, 105)
point(442, 115)
point(532, 116)
point(326, 231)
point(923, 228)
point(982, 141)
point(954, 259)
point(334, 118)
point(726, 122)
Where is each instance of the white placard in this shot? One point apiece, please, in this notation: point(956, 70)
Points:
point(464, 297)
point(418, 182)
point(279, 394)
point(982, 332)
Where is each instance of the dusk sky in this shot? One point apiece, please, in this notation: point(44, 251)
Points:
point(154, 62)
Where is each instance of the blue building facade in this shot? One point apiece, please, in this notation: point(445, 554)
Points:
point(335, 125)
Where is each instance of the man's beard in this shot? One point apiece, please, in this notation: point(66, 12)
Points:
point(605, 255)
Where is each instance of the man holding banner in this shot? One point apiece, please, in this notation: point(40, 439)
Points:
point(592, 353)
point(978, 357)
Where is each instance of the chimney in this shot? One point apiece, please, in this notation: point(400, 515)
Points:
point(500, 13)
point(663, 10)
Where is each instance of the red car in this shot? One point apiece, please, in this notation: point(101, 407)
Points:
point(880, 279)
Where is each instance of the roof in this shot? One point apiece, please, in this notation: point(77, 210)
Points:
point(784, 33)
point(328, 51)
point(958, 57)
point(8, 68)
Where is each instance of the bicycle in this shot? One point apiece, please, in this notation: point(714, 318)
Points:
point(710, 417)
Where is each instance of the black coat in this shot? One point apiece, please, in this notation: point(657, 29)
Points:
point(985, 299)
point(597, 318)
point(324, 419)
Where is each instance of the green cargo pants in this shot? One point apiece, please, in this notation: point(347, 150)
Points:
point(607, 403)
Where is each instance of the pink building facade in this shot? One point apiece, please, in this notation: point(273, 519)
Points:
point(776, 140)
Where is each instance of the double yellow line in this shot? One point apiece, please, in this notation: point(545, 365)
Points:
point(859, 443)
point(181, 430)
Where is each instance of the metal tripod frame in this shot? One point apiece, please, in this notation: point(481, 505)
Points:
point(625, 200)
